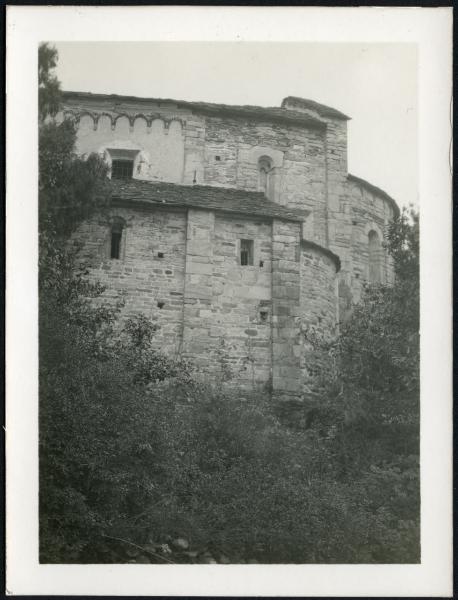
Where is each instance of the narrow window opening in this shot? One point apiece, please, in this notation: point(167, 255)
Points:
point(375, 257)
point(116, 237)
point(261, 263)
point(263, 314)
point(160, 304)
point(246, 252)
point(160, 255)
point(217, 158)
point(122, 169)
point(264, 174)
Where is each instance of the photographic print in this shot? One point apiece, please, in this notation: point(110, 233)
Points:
point(229, 317)
point(228, 323)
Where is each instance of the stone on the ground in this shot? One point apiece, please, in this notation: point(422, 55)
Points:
point(180, 543)
point(165, 549)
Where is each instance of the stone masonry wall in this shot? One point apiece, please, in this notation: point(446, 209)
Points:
point(211, 306)
point(232, 151)
point(319, 303)
point(230, 319)
point(242, 299)
point(224, 331)
point(286, 310)
point(361, 211)
point(140, 275)
point(181, 146)
point(198, 313)
point(318, 290)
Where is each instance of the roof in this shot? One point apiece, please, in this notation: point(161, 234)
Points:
point(375, 190)
point(150, 193)
point(272, 114)
point(321, 109)
point(323, 250)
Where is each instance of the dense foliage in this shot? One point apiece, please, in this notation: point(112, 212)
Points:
point(139, 462)
point(48, 84)
point(364, 387)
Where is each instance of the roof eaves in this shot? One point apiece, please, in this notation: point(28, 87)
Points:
point(274, 114)
point(323, 250)
point(251, 212)
point(321, 109)
point(375, 190)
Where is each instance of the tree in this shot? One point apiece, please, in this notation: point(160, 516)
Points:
point(69, 188)
point(94, 371)
point(366, 383)
point(48, 84)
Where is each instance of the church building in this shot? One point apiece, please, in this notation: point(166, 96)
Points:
point(236, 227)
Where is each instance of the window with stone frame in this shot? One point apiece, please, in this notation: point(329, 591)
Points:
point(246, 253)
point(122, 168)
point(264, 172)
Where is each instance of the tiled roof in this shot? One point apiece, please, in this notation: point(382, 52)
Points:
point(321, 109)
point(375, 190)
point(272, 114)
point(230, 200)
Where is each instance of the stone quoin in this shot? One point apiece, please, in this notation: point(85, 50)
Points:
point(234, 226)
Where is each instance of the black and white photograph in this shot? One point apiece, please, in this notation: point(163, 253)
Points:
point(229, 346)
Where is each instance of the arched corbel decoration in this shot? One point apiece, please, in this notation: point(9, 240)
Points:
point(121, 116)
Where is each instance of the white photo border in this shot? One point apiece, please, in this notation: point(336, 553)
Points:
point(431, 30)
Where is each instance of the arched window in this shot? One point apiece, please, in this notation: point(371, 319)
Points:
point(264, 171)
point(117, 228)
point(375, 257)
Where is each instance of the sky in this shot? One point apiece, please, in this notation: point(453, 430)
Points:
point(374, 84)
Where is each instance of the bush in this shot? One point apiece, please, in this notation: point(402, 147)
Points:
point(134, 451)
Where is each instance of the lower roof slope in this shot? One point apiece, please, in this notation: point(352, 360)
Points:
point(202, 196)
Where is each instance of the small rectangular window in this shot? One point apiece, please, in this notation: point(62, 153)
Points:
point(122, 169)
point(246, 252)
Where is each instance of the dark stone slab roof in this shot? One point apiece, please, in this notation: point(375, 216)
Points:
point(230, 200)
point(323, 250)
point(271, 114)
point(375, 190)
point(321, 109)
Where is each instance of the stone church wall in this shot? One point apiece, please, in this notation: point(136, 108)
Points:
point(140, 275)
point(229, 319)
point(363, 209)
point(181, 146)
point(182, 266)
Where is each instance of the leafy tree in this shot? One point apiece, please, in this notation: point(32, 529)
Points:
point(366, 387)
point(48, 84)
point(94, 423)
